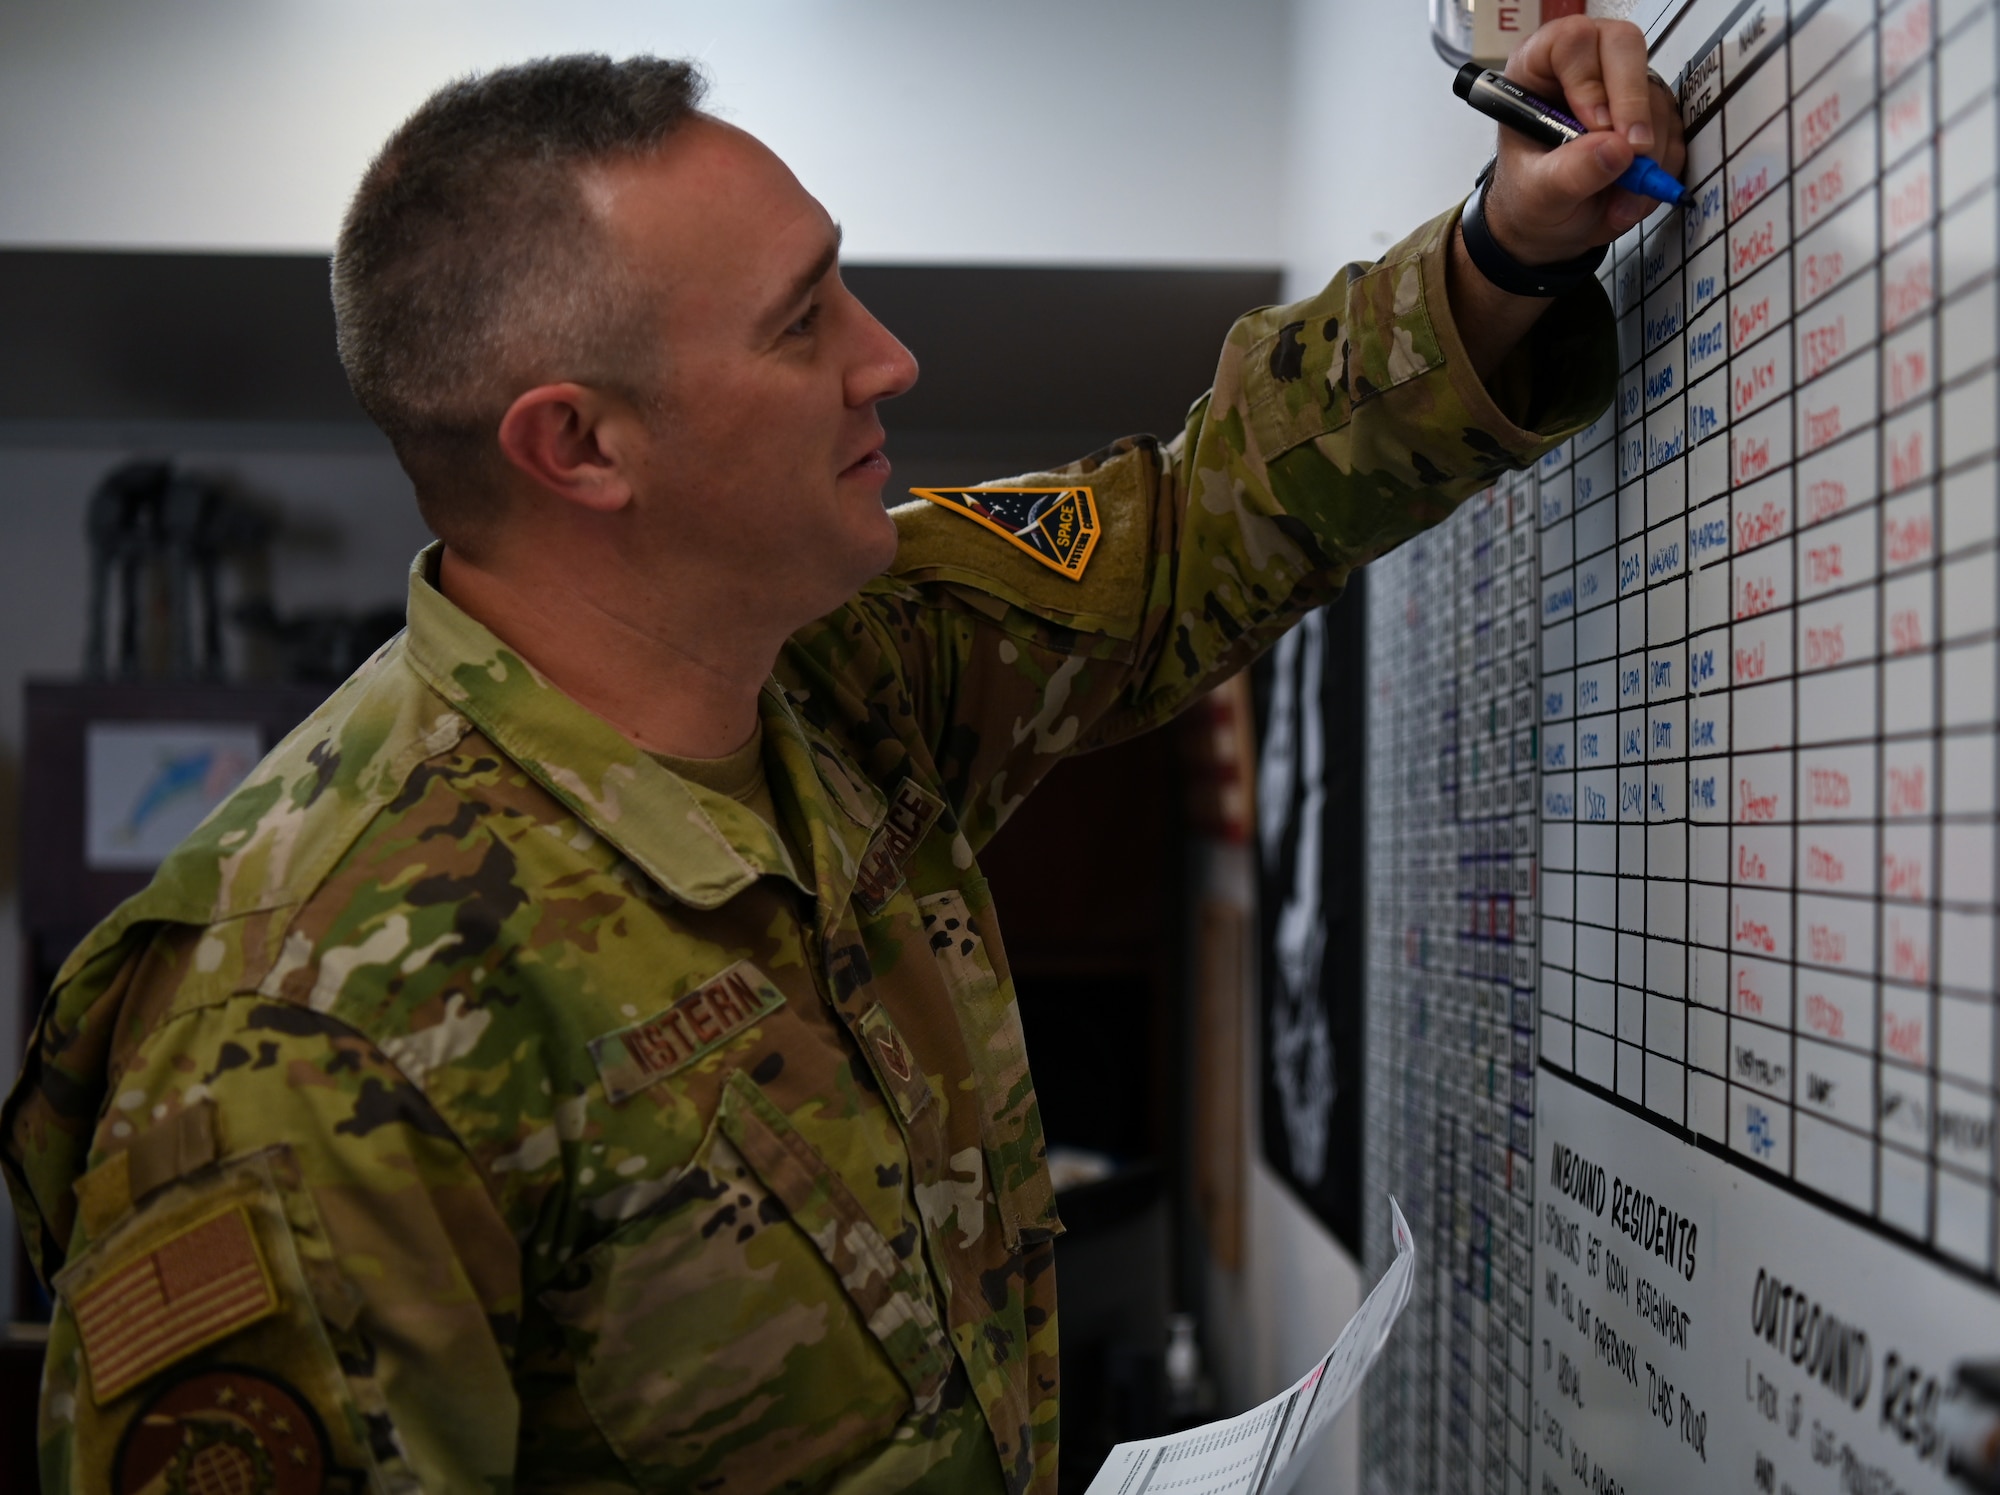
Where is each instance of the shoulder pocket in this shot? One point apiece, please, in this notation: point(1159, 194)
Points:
point(1364, 334)
point(194, 1344)
point(753, 1326)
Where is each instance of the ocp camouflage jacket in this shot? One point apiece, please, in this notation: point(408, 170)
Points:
point(471, 1103)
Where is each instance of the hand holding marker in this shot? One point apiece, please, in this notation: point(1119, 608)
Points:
point(1499, 97)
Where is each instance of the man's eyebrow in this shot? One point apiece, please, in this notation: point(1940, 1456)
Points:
point(811, 276)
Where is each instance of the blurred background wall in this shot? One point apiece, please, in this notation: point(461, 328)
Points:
point(1112, 130)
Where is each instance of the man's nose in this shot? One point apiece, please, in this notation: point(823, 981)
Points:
point(884, 368)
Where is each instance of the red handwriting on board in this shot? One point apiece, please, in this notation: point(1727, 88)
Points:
point(1906, 540)
point(1902, 876)
point(1905, 294)
point(1824, 647)
point(1755, 934)
point(1825, 497)
point(1821, 347)
point(1823, 1016)
point(1824, 565)
point(1766, 523)
point(1820, 273)
point(1819, 123)
point(1752, 806)
point(1909, 790)
point(1828, 789)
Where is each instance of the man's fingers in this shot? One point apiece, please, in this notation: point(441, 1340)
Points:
point(1583, 168)
point(1622, 56)
point(1598, 68)
point(1560, 60)
point(1560, 202)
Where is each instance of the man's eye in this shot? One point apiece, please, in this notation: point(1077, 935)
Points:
point(805, 323)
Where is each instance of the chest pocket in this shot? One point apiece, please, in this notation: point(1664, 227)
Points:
point(1010, 1121)
point(753, 1328)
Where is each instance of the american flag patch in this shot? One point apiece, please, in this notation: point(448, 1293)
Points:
point(201, 1285)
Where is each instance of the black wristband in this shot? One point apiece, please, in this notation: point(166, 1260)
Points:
point(1508, 273)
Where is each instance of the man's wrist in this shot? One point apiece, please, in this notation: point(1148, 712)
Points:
point(1521, 245)
point(1495, 260)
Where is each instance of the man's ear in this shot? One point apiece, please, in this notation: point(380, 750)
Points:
point(570, 439)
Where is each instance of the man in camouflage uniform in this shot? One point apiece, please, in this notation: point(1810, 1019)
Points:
point(582, 1056)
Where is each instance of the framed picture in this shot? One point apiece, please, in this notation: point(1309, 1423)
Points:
point(1311, 844)
point(147, 784)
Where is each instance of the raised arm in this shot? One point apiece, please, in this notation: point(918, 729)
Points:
point(1336, 428)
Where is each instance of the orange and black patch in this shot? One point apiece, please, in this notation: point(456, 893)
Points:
point(1057, 526)
point(225, 1429)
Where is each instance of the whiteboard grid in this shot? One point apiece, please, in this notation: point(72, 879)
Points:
point(1735, 649)
point(1768, 639)
point(1451, 736)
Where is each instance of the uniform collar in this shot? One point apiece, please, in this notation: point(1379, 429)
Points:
point(702, 848)
point(827, 803)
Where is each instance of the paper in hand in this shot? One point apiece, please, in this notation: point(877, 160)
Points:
point(1263, 1451)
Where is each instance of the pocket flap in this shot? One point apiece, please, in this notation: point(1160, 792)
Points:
point(883, 1285)
point(1010, 1119)
point(751, 1328)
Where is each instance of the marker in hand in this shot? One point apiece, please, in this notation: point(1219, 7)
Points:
point(1499, 97)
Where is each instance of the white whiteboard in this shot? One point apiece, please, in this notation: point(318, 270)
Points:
point(1683, 797)
point(1451, 990)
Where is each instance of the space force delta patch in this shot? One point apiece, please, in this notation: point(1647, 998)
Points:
point(1057, 526)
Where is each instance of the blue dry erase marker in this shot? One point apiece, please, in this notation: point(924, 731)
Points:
point(1499, 97)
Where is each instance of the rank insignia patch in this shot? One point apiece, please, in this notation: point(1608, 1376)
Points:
point(699, 1023)
point(891, 1049)
point(188, 1292)
point(225, 1430)
point(1057, 526)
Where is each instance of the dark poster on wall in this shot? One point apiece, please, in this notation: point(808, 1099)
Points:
point(1310, 842)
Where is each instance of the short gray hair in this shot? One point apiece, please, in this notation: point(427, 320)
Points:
point(468, 268)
